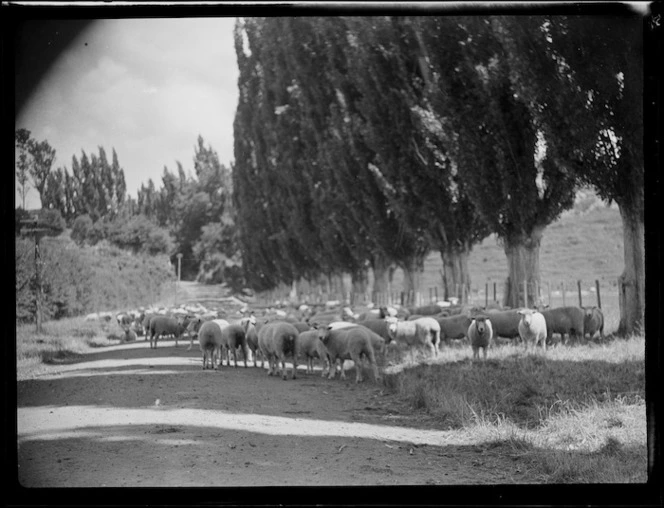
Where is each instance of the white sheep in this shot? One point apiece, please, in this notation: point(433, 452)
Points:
point(532, 327)
point(422, 332)
point(480, 333)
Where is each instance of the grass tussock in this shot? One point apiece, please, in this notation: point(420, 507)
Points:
point(61, 341)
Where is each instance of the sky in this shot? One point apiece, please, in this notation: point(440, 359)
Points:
point(146, 87)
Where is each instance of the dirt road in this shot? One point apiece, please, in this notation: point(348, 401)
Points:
point(128, 415)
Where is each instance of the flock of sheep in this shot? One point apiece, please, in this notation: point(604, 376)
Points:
point(335, 333)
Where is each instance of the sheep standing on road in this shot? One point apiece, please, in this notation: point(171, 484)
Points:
point(348, 344)
point(480, 333)
point(210, 341)
point(251, 335)
point(421, 333)
point(276, 340)
point(165, 325)
point(233, 337)
point(309, 347)
point(532, 328)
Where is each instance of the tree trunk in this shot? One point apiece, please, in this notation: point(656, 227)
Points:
point(359, 282)
point(522, 251)
point(412, 275)
point(381, 273)
point(632, 282)
point(455, 270)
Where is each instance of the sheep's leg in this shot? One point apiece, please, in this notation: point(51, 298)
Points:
point(294, 373)
point(234, 357)
point(333, 368)
point(357, 360)
point(484, 352)
point(191, 342)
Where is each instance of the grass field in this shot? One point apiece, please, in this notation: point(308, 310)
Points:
point(577, 414)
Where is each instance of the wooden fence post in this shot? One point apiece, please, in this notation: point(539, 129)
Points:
point(486, 294)
point(599, 300)
point(578, 285)
point(494, 292)
point(525, 293)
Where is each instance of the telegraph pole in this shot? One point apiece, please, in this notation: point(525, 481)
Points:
point(177, 284)
point(37, 230)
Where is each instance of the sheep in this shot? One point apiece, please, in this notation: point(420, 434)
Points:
point(505, 323)
point(164, 325)
point(378, 326)
point(276, 340)
point(348, 344)
point(423, 332)
point(454, 327)
point(532, 327)
point(340, 324)
point(480, 333)
point(309, 347)
point(426, 310)
point(565, 321)
point(251, 334)
point(128, 336)
point(124, 320)
point(233, 336)
point(593, 322)
point(210, 341)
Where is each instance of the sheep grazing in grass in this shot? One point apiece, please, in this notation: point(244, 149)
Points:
point(251, 335)
point(348, 344)
point(532, 327)
point(165, 325)
point(421, 333)
point(233, 337)
point(593, 322)
point(480, 333)
point(454, 327)
point(505, 323)
point(309, 347)
point(210, 341)
point(567, 321)
point(276, 340)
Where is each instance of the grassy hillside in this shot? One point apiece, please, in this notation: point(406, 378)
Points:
point(585, 244)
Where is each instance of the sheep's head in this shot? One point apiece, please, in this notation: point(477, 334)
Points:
point(480, 324)
point(194, 325)
point(324, 333)
point(526, 316)
point(391, 326)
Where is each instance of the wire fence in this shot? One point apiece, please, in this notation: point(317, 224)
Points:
point(548, 293)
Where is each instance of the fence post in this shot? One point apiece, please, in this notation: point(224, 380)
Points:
point(436, 291)
point(486, 294)
point(494, 292)
point(599, 300)
point(578, 285)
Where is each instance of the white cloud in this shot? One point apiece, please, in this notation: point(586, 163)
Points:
point(146, 87)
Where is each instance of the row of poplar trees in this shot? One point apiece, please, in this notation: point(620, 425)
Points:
point(367, 142)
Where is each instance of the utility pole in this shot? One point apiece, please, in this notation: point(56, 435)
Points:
point(177, 284)
point(37, 230)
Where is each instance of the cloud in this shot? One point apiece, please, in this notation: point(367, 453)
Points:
point(146, 87)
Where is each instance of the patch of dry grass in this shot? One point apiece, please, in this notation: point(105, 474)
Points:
point(60, 341)
point(576, 413)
